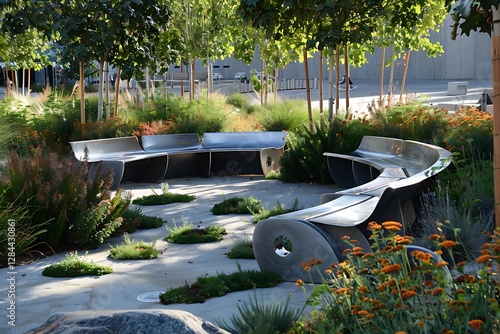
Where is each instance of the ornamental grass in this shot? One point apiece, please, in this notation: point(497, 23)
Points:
point(401, 288)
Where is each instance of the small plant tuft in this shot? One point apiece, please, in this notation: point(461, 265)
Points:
point(73, 265)
point(166, 197)
point(133, 250)
point(242, 249)
point(237, 205)
point(187, 234)
point(279, 209)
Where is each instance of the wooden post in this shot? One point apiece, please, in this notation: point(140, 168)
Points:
point(495, 63)
point(308, 90)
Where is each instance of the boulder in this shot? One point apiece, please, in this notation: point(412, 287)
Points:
point(126, 322)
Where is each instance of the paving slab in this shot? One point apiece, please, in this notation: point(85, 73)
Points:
point(37, 297)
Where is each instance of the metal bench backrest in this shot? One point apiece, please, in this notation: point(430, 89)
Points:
point(244, 140)
point(170, 142)
point(418, 157)
point(372, 146)
point(98, 149)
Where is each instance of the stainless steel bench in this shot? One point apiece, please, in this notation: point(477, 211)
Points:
point(235, 153)
point(383, 183)
point(124, 157)
point(186, 157)
point(183, 155)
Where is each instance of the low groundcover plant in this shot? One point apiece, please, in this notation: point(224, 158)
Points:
point(395, 289)
point(73, 265)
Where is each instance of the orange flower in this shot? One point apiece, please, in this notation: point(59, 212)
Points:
point(391, 268)
point(401, 332)
point(299, 282)
point(476, 324)
point(343, 290)
point(437, 291)
point(374, 226)
point(441, 264)
point(434, 236)
point(407, 294)
point(483, 258)
point(392, 226)
point(328, 271)
point(447, 244)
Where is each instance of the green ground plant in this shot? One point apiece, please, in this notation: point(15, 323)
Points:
point(257, 317)
point(396, 289)
point(237, 205)
point(143, 221)
point(133, 250)
point(207, 287)
point(242, 249)
point(166, 197)
point(188, 234)
point(288, 114)
point(73, 265)
point(279, 209)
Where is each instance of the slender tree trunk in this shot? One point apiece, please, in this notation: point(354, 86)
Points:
point(391, 78)
point(23, 81)
point(347, 80)
point(331, 60)
point(308, 90)
point(117, 90)
point(382, 73)
point(82, 93)
point(148, 79)
point(100, 103)
point(337, 79)
point(321, 82)
point(182, 80)
point(495, 63)
point(407, 60)
point(29, 80)
point(276, 79)
point(108, 111)
point(261, 80)
point(191, 88)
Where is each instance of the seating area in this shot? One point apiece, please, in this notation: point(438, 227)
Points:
point(182, 155)
point(381, 180)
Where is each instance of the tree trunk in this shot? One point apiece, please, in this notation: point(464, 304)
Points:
point(391, 78)
point(347, 80)
point(337, 78)
point(82, 93)
point(117, 91)
point(407, 59)
point(308, 90)
point(320, 82)
point(106, 87)
point(382, 73)
point(495, 63)
point(182, 80)
point(331, 100)
point(276, 79)
point(100, 103)
point(8, 80)
point(191, 84)
point(29, 80)
point(23, 81)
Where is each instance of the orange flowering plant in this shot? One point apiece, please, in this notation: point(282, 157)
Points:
point(399, 287)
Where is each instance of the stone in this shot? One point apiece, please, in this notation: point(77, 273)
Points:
point(126, 322)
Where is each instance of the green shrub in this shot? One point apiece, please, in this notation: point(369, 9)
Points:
point(187, 234)
point(470, 133)
point(216, 286)
point(166, 197)
point(60, 192)
point(236, 205)
point(393, 288)
point(239, 101)
point(257, 317)
point(133, 250)
point(242, 249)
point(73, 265)
point(143, 221)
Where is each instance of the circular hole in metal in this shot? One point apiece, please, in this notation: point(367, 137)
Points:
point(150, 297)
point(283, 245)
point(269, 161)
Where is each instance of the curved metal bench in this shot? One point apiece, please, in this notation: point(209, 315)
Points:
point(384, 183)
point(183, 155)
point(235, 153)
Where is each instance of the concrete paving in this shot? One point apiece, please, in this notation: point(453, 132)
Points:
point(37, 297)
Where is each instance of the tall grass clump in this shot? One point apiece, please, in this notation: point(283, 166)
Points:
point(287, 114)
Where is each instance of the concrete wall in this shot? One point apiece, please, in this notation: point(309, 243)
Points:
point(465, 58)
